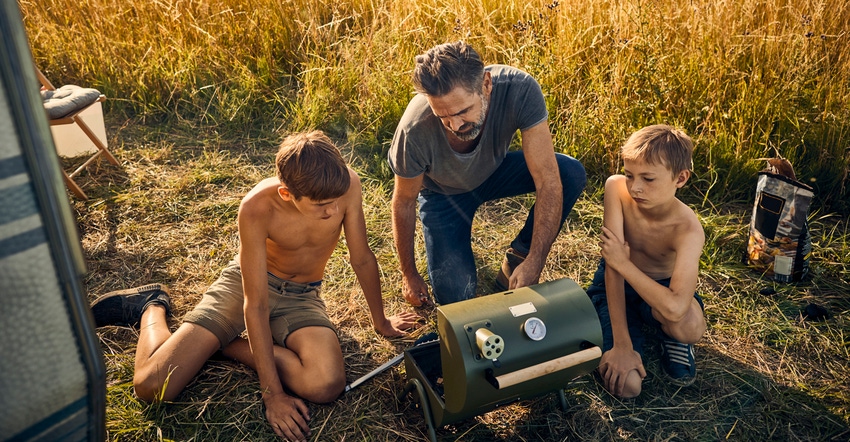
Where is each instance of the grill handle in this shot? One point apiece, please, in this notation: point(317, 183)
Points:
point(535, 371)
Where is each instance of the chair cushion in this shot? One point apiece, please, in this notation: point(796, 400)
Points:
point(67, 99)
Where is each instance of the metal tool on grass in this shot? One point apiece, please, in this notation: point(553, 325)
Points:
point(382, 368)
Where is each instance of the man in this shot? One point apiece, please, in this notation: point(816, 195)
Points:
point(450, 151)
point(289, 226)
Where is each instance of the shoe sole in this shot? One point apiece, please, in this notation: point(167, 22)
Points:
point(679, 382)
point(134, 291)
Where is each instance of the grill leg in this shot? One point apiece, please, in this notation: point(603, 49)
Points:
point(423, 402)
point(563, 399)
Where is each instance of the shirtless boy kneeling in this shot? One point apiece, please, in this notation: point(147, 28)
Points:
point(288, 228)
point(651, 245)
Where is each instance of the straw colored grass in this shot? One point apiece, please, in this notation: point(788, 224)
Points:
point(201, 91)
point(748, 78)
point(764, 372)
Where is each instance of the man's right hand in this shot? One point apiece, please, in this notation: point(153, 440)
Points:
point(288, 416)
point(415, 290)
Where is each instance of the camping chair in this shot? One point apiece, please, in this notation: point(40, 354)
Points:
point(64, 106)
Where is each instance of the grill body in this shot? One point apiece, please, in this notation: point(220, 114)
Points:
point(491, 350)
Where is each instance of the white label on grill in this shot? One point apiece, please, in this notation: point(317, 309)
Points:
point(522, 309)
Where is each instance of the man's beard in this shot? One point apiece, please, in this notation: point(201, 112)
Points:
point(473, 133)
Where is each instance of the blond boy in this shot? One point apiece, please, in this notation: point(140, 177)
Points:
point(651, 244)
point(289, 226)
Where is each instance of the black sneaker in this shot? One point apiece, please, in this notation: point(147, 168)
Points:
point(677, 362)
point(125, 307)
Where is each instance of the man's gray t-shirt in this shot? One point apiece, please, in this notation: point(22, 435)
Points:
point(420, 144)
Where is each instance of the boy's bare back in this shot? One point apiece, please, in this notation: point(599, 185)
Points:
point(300, 236)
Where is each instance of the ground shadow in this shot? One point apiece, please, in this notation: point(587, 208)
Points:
point(729, 401)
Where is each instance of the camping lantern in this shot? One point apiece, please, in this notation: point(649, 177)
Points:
point(502, 348)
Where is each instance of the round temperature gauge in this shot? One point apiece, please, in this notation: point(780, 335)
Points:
point(534, 328)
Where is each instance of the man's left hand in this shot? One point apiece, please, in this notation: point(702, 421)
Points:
point(524, 275)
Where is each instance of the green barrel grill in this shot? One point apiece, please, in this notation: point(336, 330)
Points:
point(504, 347)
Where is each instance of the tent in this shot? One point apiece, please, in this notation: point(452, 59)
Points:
point(52, 375)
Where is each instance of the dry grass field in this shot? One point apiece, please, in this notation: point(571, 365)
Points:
point(201, 92)
point(765, 373)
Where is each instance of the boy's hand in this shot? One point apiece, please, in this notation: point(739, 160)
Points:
point(415, 291)
point(615, 366)
point(614, 251)
point(396, 324)
point(288, 416)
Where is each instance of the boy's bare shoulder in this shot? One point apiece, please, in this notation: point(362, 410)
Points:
point(688, 216)
point(616, 183)
point(615, 179)
point(687, 223)
point(354, 194)
point(616, 193)
point(261, 197)
point(355, 178)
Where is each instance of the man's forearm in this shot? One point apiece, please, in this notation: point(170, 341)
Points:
point(547, 217)
point(404, 228)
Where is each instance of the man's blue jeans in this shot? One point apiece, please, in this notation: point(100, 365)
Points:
point(447, 222)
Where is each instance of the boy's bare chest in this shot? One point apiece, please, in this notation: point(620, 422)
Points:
point(650, 241)
point(289, 234)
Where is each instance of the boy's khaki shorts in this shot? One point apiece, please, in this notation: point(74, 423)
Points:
point(292, 306)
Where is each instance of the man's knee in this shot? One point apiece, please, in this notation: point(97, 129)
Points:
point(573, 175)
point(452, 283)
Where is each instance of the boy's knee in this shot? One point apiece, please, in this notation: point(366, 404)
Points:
point(324, 390)
point(689, 330)
point(632, 387)
point(148, 388)
point(686, 333)
point(693, 335)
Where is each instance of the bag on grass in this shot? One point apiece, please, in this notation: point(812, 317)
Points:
point(779, 244)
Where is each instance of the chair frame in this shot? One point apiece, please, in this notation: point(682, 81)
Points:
point(74, 118)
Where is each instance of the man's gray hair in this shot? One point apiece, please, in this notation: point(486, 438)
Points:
point(446, 66)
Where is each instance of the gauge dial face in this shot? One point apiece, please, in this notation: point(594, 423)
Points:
point(534, 328)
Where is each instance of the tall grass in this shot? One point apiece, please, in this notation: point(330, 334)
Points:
point(748, 79)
